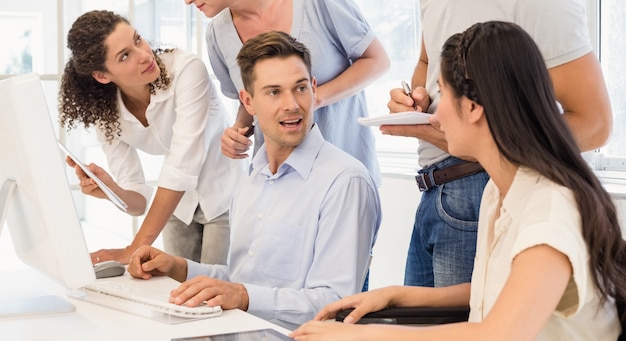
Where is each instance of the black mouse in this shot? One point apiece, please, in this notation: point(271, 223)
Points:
point(109, 268)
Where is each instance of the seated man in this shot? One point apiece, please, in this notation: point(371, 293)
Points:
point(303, 219)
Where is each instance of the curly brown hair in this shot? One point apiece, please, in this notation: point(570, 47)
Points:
point(82, 99)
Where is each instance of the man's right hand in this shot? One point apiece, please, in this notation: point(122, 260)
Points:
point(148, 261)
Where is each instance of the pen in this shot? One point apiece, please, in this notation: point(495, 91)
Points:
point(407, 91)
point(250, 128)
point(250, 131)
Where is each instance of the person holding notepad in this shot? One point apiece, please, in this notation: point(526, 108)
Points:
point(442, 247)
point(161, 102)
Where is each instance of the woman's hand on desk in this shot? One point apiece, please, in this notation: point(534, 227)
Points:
point(120, 255)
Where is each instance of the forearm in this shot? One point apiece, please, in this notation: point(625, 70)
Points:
point(371, 65)
point(135, 201)
point(408, 296)
point(421, 69)
point(589, 134)
point(179, 271)
point(162, 208)
point(452, 331)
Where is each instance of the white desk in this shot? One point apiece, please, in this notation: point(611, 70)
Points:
point(93, 322)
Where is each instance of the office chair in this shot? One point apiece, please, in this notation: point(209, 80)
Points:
point(411, 315)
point(421, 316)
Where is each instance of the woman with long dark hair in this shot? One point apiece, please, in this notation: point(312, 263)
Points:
point(550, 261)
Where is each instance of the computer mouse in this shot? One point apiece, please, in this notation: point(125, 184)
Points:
point(109, 268)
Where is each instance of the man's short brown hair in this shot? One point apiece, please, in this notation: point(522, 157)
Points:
point(266, 45)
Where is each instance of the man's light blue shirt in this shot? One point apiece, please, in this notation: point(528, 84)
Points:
point(300, 238)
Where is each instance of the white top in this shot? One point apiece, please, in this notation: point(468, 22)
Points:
point(537, 211)
point(559, 27)
point(301, 238)
point(186, 122)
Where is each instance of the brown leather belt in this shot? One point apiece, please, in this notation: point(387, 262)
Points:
point(440, 176)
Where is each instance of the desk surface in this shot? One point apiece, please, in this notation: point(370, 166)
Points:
point(93, 322)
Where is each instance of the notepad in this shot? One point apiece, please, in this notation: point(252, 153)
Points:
point(107, 191)
point(408, 117)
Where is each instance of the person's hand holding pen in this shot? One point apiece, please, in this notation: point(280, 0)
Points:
point(404, 99)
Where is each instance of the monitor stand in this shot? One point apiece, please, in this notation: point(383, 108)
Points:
point(29, 305)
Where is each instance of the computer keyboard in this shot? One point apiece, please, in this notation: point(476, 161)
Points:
point(127, 298)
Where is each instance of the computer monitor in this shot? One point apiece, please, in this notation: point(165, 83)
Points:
point(35, 197)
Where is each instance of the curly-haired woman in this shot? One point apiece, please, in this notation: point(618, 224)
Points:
point(161, 102)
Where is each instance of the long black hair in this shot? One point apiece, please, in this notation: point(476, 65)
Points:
point(499, 66)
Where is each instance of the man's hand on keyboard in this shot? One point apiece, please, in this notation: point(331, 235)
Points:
point(214, 291)
point(148, 261)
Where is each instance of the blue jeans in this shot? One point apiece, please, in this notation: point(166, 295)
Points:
point(443, 243)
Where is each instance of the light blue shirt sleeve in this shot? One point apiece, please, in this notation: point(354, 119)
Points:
point(211, 270)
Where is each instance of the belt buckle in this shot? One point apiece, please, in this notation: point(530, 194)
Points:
point(422, 182)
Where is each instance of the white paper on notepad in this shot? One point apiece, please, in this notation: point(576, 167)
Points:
point(107, 191)
point(409, 117)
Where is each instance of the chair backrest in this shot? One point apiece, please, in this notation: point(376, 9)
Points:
point(412, 315)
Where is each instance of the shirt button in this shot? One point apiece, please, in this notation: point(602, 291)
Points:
point(260, 217)
point(250, 253)
point(271, 182)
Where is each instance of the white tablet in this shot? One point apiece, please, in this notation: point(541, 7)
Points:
point(107, 191)
point(400, 118)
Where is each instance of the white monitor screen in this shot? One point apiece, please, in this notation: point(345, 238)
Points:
point(36, 200)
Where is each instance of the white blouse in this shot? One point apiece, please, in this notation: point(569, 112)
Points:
point(185, 123)
point(537, 211)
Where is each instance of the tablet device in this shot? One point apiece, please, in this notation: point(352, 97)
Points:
point(107, 191)
point(399, 118)
point(251, 335)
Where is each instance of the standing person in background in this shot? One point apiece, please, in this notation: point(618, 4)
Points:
point(346, 57)
point(443, 242)
point(163, 104)
point(551, 256)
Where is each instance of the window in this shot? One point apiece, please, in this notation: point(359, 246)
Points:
point(612, 48)
point(34, 40)
point(401, 39)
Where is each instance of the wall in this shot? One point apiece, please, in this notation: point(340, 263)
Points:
point(399, 198)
